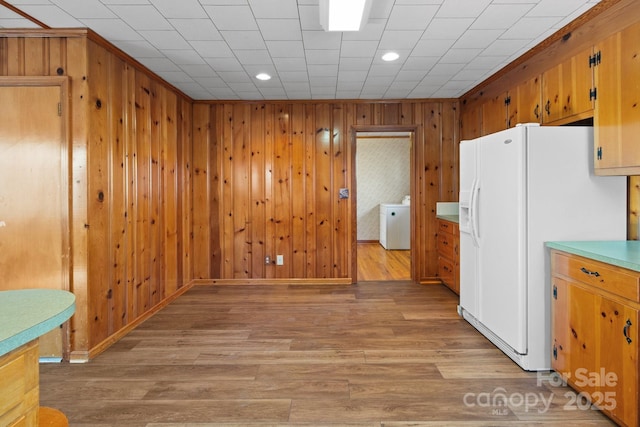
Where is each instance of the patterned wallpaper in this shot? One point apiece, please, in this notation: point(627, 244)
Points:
point(382, 174)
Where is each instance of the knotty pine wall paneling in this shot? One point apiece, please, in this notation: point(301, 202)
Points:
point(278, 168)
point(130, 176)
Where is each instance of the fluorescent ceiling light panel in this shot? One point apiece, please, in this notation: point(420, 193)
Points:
point(344, 15)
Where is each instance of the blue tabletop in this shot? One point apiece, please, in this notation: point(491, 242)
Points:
point(27, 314)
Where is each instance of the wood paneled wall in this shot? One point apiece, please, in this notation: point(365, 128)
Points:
point(130, 181)
point(267, 175)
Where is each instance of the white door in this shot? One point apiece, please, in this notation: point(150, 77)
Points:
point(501, 233)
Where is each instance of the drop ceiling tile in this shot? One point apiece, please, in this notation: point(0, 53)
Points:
point(184, 56)
point(198, 71)
point(421, 63)
point(211, 82)
point(409, 76)
point(355, 64)
point(286, 49)
point(138, 48)
point(447, 28)
point(358, 49)
point(273, 93)
point(212, 49)
point(530, 28)
point(112, 29)
point(504, 48)
point(52, 15)
point(477, 39)
point(180, 9)
point(411, 17)
point(321, 40)
point(372, 30)
point(31, 2)
point(159, 64)
point(248, 57)
point(142, 17)
point(399, 39)
point(428, 47)
point(225, 2)
point(243, 40)
point(293, 76)
point(446, 70)
point(165, 39)
point(381, 9)
point(196, 29)
point(323, 57)
point(309, 18)
point(224, 64)
point(555, 7)
point(352, 76)
point(85, 8)
point(233, 18)
point(290, 64)
point(232, 77)
point(175, 77)
point(274, 8)
point(501, 16)
point(321, 70)
point(17, 23)
point(462, 8)
point(280, 29)
point(127, 2)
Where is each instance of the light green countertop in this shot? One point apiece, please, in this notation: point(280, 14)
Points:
point(27, 314)
point(452, 218)
point(621, 253)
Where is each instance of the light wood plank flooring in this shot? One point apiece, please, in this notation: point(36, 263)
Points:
point(376, 263)
point(373, 354)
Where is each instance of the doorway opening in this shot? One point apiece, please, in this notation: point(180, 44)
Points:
point(383, 211)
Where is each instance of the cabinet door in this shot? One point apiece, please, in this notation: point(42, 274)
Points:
point(616, 112)
point(494, 114)
point(560, 327)
point(566, 89)
point(524, 105)
point(583, 343)
point(618, 360)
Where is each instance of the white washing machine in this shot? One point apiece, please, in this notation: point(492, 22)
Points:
point(395, 226)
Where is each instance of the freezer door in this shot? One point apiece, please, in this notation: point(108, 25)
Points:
point(501, 220)
point(468, 249)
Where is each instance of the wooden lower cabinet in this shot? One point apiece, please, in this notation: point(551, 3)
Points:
point(449, 254)
point(595, 319)
point(19, 388)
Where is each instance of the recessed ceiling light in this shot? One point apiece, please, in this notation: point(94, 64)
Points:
point(390, 56)
point(263, 76)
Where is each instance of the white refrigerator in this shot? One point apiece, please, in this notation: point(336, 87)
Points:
point(520, 188)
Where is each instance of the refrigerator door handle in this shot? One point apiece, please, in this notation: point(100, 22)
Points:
point(473, 205)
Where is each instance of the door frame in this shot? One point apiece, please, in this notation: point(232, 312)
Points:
point(353, 136)
point(62, 82)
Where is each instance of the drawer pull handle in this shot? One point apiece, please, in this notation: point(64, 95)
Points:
point(589, 272)
point(625, 331)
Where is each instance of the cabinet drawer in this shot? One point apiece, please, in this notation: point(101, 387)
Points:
point(619, 281)
point(446, 245)
point(447, 227)
point(446, 270)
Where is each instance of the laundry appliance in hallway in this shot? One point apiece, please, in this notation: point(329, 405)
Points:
point(395, 226)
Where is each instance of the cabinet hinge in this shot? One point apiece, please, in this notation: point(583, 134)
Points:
point(595, 59)
point(555, 292)
point(507, 100)
point(599, 153)
point(555, 352)
point(60, 109)
point(593, 94)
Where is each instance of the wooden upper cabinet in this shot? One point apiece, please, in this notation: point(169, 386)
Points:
point(617, 105)
point(523, 103)
point(566, 90)
point(494, 114)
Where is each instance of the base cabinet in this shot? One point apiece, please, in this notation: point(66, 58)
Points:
point(595, 319)
point(449, 254)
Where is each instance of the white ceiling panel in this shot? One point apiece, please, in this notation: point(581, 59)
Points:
point(212, 49)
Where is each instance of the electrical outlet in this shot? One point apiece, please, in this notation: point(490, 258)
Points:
point(279, 259)
point(267, 260)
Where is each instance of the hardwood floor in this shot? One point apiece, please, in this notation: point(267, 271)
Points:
point(376, 263)
point(372, 354)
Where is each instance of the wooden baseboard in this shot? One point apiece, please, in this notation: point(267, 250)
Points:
point(85, 356)
point(344, 281)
